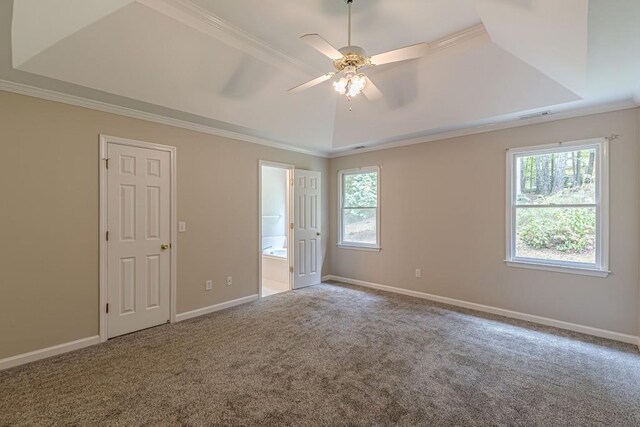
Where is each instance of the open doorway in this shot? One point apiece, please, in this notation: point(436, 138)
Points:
point(275, 236)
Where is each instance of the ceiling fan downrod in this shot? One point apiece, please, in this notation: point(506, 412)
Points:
point(348, 61)
point(349, 3)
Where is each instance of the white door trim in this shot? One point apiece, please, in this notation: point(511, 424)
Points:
point(290, 169)
point(104, 140)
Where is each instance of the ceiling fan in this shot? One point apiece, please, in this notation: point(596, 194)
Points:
point(350, 60)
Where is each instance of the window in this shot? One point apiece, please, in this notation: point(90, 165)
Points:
point(558, 207)
point(359, 208)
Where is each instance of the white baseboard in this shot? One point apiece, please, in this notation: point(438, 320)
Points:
point(55, 350)
point(216, 307)
point(43, 353)
point(616, 336)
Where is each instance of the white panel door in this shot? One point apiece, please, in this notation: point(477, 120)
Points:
point(307, 258)
point(138, 246)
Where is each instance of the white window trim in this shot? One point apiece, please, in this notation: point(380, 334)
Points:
point(354, 245)
point(601, 267)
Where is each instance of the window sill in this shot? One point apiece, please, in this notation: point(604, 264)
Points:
point(359, 248)
point(559, 268)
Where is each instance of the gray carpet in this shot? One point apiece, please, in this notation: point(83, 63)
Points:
point(334, 355)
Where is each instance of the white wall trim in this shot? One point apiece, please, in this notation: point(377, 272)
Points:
point(67, 347)
point(203, 20)
point(50, 95)
point(173, 222)
point(189, 13)
point(485, 128)
point(461, 36)
point(216, 307)
point(616, 336)
point(43, 353)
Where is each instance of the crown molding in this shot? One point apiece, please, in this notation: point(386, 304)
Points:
point(467, 34)
point(204, 21)
point(50, 95)
point(22, 89)
point(484, 128)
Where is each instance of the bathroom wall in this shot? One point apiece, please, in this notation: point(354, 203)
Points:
point(274, 202)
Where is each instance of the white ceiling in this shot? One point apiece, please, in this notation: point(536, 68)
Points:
point(231, 62)
point(378, 25)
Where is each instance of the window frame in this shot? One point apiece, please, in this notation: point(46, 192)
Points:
point(356, 245)
point(601, 205)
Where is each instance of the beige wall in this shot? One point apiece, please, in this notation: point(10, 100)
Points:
point(49, 183)
point(443, 210)
point(449, 224)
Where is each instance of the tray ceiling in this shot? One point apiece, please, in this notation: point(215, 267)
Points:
point(228, 65)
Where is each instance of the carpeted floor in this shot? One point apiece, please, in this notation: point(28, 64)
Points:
point(334, 355)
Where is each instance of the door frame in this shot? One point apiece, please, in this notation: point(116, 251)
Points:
point(107, 139)
point(289, 168)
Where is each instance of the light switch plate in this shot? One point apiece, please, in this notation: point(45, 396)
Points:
point(182, 227)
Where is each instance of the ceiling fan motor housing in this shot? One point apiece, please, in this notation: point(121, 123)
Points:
point(353, 56)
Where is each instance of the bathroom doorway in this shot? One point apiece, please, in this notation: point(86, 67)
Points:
point(275, 231)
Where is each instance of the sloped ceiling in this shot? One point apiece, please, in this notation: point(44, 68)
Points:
point(463, 83)
point(39, 24)
point(142, 54)
point(551, 35)
point(231, 63)
point(378, 25)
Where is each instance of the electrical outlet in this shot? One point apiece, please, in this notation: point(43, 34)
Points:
point(418, 273)
point(208, 285)
point(182, 227)
point(229, 280)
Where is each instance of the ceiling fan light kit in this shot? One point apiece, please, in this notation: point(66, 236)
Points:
point(351, 84)
point(349, 60)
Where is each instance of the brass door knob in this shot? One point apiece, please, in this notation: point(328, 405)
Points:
point(318, 233)
point(164, 246)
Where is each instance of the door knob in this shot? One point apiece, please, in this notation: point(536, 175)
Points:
point(164, 246)
point(318, 233)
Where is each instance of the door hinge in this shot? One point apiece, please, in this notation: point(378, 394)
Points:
point(291, 269)
point(107, 236)
point(290, 181)
point(107, 307)
point(291, 226)
point(106, 163)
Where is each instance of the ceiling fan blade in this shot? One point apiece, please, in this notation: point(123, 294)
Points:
point(371, 91)
point(321, 45)
point(312, 83)
point(402, 54)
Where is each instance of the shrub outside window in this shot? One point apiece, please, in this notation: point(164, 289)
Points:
point(359, 221)
point(557, 207)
